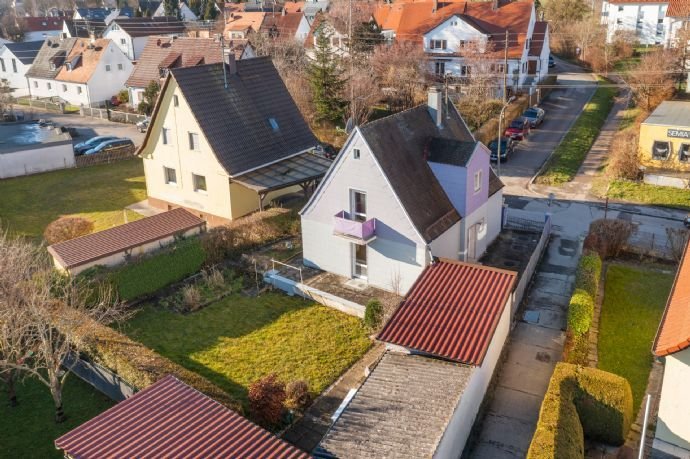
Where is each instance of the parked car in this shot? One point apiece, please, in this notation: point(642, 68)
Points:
point(143, 125)
point(518, 129)
point(552, 62)
point(46, 123)
point(507, 149)
point(83, 147)
point(534, 115)
point(109, 145)
point(686, 222)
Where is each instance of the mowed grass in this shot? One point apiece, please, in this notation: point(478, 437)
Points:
point(642, 193)
point(98, 193)
point(29, 429)
point(164, 268)
point(240, 339)
point(568, 157)
point(634, 302)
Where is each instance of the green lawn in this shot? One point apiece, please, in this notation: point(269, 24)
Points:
point(566, 160)
point(153, 273)
point(634, 300)
point(29, 430)
point(643, 193)
point(240, 339)
point(98, 193)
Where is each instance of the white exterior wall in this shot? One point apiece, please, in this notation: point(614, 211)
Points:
point(39, 159)
point(41, 87)
point(103, 84)
point(481, 215)
point(673, 421)
point(494, 214)
point(302, 30)
point(640, 18)
point(397, 251)
point(132, 46)
point(177, 155)
point(453, 179)
point(186, 13)
point(70, 92)
point(121, 258)
point(135, 96)
point(41, 35)
point(458, 429)
point(16, 80)
point(454, 30)
point(448, 244)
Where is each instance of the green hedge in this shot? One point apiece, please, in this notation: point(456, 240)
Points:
point(581, 309)
point(581, 402)
point(150, 274)
point(588, 273)
point(580, 312)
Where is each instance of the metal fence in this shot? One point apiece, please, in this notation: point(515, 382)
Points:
point(111, 115)
point(651, 245)
point(103, 379)
point(107, 157)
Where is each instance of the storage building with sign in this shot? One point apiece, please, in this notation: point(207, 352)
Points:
point(665, 145)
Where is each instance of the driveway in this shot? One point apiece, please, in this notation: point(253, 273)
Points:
point(562, 107)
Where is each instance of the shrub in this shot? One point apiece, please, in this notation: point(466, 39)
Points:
point(297, 395)
point(608, 237)
point(214, 279)
point(588, 273)
point(624, 159)
point(581, 402)
point(123, 96)
point(65, 228)
point(191, 296)
point(576, 348)
point(373, 314)
point(266, 399)
point(580, 312)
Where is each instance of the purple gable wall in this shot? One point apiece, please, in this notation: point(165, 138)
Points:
point(479, 161)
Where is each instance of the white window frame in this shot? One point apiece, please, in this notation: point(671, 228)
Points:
point(107, 67)
point(478, 181)
point(176, 101)
point(356, 153)
point(165, 136)
point(14, 65)
point(166, 175)
point(194, 141)
point(686, 153)
point(120, 67)
point(438, 44)
point(64, 88)
point(195, 183)
point(668, 155)
point(359, 216)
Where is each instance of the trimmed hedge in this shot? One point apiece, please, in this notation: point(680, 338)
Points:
point(581, 402)
point(588, 273)
point(580, 312)
point(581, 309)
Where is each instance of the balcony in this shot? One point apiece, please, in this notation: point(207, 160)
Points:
point(358, 232)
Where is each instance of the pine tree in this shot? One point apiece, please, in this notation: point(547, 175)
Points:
point(210, 11)
point(172, 8)
point(326, 81)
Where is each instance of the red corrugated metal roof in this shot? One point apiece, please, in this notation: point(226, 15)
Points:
point(674, 331)
point(172, 420)
point(92, 247)
point(451, 311)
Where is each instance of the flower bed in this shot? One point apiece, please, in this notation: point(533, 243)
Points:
point(208, 287)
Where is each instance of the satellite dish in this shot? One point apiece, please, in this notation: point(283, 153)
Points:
point(349, 126)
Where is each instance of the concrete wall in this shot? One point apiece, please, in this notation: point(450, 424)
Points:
point(458, 429)
point(38, 158)
point(673, 421)
point(16, 80)
point(650, 133)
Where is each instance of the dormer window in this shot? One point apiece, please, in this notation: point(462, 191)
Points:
point(274, 124)
point(53, 66)
point(438, 44)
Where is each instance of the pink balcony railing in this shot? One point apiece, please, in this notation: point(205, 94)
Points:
point(344, 225)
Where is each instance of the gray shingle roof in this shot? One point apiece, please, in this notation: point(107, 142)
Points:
point(495, 183)
point(253, 122)
point(450, 151)
point(26, 51)
point(399, 143)
point(54, 50)
point(401, 410)
point(143, 27)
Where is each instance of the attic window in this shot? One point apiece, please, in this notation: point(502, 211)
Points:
point(355, 153)
point(274, 124)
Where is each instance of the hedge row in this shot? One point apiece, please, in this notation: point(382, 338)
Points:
point(581, 309)
point(581, 402)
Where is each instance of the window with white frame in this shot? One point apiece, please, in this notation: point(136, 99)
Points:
point(2, 65)
point(439, 67)
point(14, 65)
point(438, 44)
point(620, 8)
point(170, 176)
point(78, 89)
point(461, 44)
point(358, 205)
point(661, 149)
point(194, 141)
point(176, 101)
point(120, 67)
point(107, 67)
point(123, 41)
point(35, 84)
point(465, 70)
point(49, 86)
point(684, 153)
point(355, 153)
point(477, 181)
point(199, 183)
point(64, 88)
point(165, 136)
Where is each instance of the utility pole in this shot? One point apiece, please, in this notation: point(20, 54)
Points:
point(505, 70)
point(352, 62)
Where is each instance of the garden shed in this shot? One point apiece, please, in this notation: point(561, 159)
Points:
point(116, 245)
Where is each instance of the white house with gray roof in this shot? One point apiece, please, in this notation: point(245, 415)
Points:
point(15, 61)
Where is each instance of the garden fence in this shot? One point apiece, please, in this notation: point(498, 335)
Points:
point(111, 115)
point(651, 245)
point(122, 153)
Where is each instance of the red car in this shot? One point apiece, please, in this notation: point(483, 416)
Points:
point(518, 129)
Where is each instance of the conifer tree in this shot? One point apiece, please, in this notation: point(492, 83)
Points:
point(326, 81)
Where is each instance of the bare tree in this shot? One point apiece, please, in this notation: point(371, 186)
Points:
point(363, 92)
point(652, 80)
point(401, 73)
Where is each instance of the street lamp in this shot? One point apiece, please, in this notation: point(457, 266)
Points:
point(500, 134)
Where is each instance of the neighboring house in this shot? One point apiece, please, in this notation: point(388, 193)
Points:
point(222, 142)
point(83, 72)
point(185, 12)
point(40, 28)
point(169, 409)
point(286, 26)
point(677, 18)
point(644, 19)
point(313, 7)
point(115, 246)
point(337, 33)
point(131, 34)
point(443, 344)
point(15, 61)
point(239, 25)
point(98, 14)
point(403, 190)
point(83, 28)
point(458, 36)
point(672, 343)
point(164, 53)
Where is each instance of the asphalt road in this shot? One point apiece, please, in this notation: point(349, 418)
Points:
point(562, 107)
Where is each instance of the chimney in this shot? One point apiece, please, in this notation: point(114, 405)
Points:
point(435, 105)
point(494, 5)
point(435, 7)
point(229, 59)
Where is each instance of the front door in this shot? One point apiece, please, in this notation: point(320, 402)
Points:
point(360, 261)
point(472, 243)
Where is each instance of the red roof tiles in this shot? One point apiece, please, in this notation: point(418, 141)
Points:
point(172, 420)
point(678, 9)
point(451, 311)
point(674, 330)
point(84, 249)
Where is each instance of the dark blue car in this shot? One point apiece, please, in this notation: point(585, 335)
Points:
point(109, 145)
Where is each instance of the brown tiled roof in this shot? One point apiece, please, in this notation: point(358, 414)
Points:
point(42, 24)
point(293, 7)
point(674, 330)
point(282, 26)
point(163, 52)
point(92, 247)
point(398, 143)
point(451, 311)
point(144, 27)
point(637, 1)
point(678, 9)
point(170, 419)
point(245, 20)
point(85, 58)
